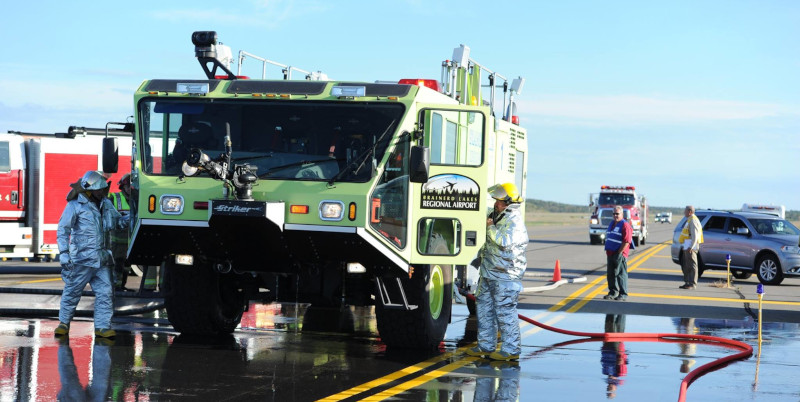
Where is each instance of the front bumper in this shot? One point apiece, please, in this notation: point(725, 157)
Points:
point(790, 264)
point(598, 232)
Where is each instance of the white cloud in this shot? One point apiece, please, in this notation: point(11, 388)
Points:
point(632, 110)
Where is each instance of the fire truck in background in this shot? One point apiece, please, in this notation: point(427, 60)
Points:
point(35, 173)
point(602, 205)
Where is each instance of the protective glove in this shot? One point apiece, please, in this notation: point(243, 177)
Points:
point(65, 260)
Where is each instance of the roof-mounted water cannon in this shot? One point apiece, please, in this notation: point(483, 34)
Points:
point(208, 52)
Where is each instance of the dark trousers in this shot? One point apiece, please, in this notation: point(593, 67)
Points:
point(617, 272)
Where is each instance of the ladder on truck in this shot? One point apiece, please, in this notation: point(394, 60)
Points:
point(461, 80)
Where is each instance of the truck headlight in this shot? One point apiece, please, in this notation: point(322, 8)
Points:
point(171, 204)
point(331, 210)
point(594, 221)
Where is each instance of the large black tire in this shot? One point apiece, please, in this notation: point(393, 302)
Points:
point(594, 239)
point(739, 274)
point(431, 289)
point(636, 241)
point(200, 301)
point(768, 270)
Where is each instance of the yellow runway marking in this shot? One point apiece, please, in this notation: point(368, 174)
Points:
point(598, 282)
point(388, 378)
point(42, 280)
point(720, 299)
point(420, 380)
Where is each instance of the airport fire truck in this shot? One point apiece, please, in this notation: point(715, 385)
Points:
point(35, 173)
point(333, 193)
point(634, 207)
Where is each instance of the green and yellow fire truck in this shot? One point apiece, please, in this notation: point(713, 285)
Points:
point(333, 193)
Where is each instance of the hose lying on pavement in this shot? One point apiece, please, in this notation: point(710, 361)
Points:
point(745, 350)
point(33, 312)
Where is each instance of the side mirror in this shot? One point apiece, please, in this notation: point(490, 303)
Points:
point(110, 155)
point(743, 231)
point(420, 164)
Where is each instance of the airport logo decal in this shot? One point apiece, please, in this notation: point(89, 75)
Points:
point(450, 191)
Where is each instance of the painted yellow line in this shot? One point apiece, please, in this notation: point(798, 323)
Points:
point(670, 271)
point(720, 299)
point(405, 386)
point(420, 380)
point(634, 261)
point(388, 378)
point(42, 280)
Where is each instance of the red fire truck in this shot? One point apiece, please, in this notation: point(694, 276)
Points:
point(35, 173)
point(602, 208)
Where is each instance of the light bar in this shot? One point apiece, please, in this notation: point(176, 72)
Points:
point(422, 82)
point(192, 88)
point(351, 91)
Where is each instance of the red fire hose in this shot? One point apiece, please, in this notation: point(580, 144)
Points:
point(744, 349)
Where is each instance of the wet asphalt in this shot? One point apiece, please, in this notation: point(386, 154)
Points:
point(300, 353)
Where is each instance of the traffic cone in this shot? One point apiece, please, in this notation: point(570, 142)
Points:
point(557, 272)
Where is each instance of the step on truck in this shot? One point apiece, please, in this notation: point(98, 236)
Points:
point(333, 193)
point(634, 209)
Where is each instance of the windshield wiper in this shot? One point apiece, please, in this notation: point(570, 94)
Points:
point(300, 163)
point(361, 159)
point(247, 158)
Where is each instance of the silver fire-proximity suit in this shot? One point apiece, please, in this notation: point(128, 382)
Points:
point(86, 256)
point(503, 262)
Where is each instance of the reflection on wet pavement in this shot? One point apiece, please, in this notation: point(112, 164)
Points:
point(296, 353)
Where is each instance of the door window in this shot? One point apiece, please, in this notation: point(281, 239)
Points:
point(734, 225)
point(715, 224)
point(389, 202)
point(456, 138)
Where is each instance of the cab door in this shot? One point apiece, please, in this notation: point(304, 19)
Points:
point(447, 222)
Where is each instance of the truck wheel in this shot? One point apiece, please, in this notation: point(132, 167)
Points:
point(636, 241)
point(768, 270)
point(739, 274)
point(431, 289)
point(594, 239)
point(200, 301)
point(644, 239)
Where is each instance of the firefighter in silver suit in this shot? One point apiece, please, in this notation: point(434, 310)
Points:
point(85, 252)
point(503, 262)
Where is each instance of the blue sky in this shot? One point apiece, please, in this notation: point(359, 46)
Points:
point(694, 102)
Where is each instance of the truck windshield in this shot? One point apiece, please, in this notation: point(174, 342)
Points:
point(617, 199)
point(281, 140)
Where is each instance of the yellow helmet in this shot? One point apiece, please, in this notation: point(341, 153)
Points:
point(505, 192)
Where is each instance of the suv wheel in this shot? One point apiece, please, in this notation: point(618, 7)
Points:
point(768, 270)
